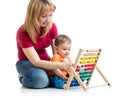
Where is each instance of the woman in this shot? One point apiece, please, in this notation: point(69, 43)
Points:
point(33, 37)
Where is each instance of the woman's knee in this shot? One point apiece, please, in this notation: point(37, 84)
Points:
point(41, 79)
point(37, 79)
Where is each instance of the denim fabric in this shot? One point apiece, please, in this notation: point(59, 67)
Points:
point(74, 82)
point(56, 81)
point(31, 76)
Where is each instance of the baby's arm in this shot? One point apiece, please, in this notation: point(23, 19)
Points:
point(60, 74)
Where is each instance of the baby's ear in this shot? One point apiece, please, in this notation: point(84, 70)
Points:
point(56, 47)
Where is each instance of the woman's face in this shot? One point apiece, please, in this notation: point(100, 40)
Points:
point(45, 18)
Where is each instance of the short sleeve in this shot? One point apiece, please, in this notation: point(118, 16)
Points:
point(56, 58)
point(53, 31)
point(23, 38)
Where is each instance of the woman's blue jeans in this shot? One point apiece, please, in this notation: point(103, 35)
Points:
point(31, 76)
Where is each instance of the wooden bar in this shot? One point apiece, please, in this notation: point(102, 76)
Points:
point(91, 61)
point(93, 58)
point(91, 54)
point(93, 50)
point(84, 58)
point(89, 69)
point(88, 65)
point(103, 76)
point(85, 77)
point(86, 72)
point(72, 74)
point(83, 62)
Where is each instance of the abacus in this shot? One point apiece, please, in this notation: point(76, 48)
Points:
point(87, 61)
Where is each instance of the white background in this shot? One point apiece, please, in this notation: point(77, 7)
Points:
point(91, 24)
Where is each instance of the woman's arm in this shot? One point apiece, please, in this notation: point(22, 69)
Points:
point(32, 55)
point(53, 47)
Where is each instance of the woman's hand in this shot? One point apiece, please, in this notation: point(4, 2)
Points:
point(66, 66)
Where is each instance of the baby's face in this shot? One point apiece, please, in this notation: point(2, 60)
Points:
point(64, 49)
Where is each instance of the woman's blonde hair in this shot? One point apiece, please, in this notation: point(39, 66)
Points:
point(34, 10)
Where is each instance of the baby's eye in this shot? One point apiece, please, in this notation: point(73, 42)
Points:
point(64, 49)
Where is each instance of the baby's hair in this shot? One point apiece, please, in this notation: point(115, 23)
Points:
point(61, 39)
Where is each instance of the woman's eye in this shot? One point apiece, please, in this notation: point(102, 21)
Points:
point(44, 16)
point(50, 15)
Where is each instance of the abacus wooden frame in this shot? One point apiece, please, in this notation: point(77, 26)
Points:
point(74, 74)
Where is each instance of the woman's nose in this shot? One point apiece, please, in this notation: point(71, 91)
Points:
point(48, 19)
